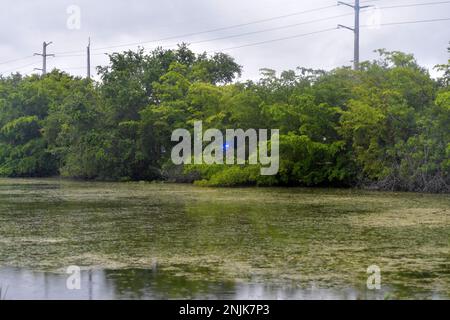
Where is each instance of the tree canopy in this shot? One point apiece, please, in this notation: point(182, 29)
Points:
point(385, 125)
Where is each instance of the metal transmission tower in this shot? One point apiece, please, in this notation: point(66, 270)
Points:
point(44, 57)
point(355, 30)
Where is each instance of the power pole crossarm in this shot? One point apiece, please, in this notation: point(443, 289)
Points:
point(345, 4)
point(44, 57)
point(345, 27)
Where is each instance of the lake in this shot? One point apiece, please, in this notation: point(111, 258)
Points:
point(171, 241)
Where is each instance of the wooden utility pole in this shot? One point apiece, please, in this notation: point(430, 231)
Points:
point(355, 30)
point(44, 57)
point(89, 59)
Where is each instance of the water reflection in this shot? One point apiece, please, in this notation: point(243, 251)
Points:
point(150, 284)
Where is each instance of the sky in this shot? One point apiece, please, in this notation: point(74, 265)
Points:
point(276, 34)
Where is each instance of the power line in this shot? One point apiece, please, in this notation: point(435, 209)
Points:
point(278, 39)
point(330, 29)
point(67, 53)
point(408, 22)
point(264, 30)
point(230, 36)
point(210, 30)
point(310, 33)
point(15, 60)
point(414, 5)
point(271, 29)
point(293, 25)
point(18, 68)
point(285, 38)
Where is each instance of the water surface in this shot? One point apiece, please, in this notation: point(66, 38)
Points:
point(143, 240)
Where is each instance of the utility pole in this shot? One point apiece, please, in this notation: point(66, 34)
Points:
point(44, 57)
point(89, 59)
point(355, 30)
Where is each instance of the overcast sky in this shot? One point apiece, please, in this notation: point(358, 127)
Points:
point(25, 24)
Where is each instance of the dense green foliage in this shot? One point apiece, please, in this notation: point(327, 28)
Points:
point(386, 125)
